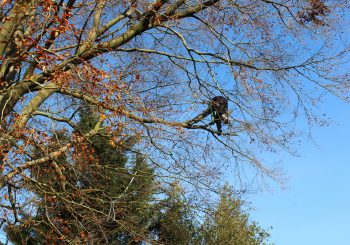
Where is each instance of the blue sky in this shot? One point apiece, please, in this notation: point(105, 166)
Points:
point(314, 209)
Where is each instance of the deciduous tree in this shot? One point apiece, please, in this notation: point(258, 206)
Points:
point(149, 68)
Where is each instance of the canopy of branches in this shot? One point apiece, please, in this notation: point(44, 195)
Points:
point(142, 72)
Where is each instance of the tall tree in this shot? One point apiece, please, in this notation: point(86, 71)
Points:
point(150, 69)
point(102, 199)
point(174, 222)
point(230, 224)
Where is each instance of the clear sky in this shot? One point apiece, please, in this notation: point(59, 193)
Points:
point(315, 208)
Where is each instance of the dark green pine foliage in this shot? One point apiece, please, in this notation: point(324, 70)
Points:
point(230, 224)
point(175, 221)
point(105, 199)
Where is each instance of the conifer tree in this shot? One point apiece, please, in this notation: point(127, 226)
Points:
point(114, 183)
point(230, 224)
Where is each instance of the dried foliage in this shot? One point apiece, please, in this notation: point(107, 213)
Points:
point(315, 12)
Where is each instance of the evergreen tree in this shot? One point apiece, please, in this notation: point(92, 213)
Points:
point(175, 223)
point(229, 224)
point(104, 202)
